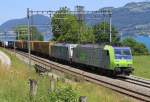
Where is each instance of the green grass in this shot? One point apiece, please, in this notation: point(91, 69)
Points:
point(96, 93)
point(141, 64)
point(14, 86)
point(14, 82)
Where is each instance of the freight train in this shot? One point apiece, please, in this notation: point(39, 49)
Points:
point(117, 60)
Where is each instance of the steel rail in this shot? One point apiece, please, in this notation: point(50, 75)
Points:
point(136, 80)
point(139, 79)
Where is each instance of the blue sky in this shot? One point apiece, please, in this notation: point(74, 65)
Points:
point(10, 9)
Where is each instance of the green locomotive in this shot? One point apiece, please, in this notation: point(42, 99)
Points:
point(120, 59)
point(117, 60)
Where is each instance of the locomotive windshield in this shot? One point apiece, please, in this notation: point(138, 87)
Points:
point(122, 53)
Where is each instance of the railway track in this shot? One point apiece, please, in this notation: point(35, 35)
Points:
point(133, 87)
point(137, 80)
point(143, 80)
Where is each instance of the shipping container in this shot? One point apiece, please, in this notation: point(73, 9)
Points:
point(42, 47)
point(19, 44)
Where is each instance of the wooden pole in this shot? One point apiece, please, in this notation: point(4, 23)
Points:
point(82, 99)
point(33, 88)
point(52, 83)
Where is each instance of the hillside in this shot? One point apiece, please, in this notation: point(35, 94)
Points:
point(133, 18)
point(130, 19)
point(36, 20)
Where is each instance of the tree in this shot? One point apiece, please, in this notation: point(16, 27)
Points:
point(58, 27)
point(36, 35)
point(102, 31)
point(137, 48)
point(68, 29)
point(22, 32)
point(86, 34)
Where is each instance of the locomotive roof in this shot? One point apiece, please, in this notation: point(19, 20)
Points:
point(91, 46)
point(121, 47)
point(65, 44)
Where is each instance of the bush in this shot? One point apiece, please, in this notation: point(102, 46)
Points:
point(137, 48)
point(66, 94)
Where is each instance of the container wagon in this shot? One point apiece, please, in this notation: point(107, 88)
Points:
point(25, 45)
point(63, 52)
point(42, 48)
point(10, 44)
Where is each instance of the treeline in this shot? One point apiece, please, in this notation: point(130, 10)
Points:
point(67, 28)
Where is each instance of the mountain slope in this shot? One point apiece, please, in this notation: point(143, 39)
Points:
point(132, 18)
point(35, 20)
